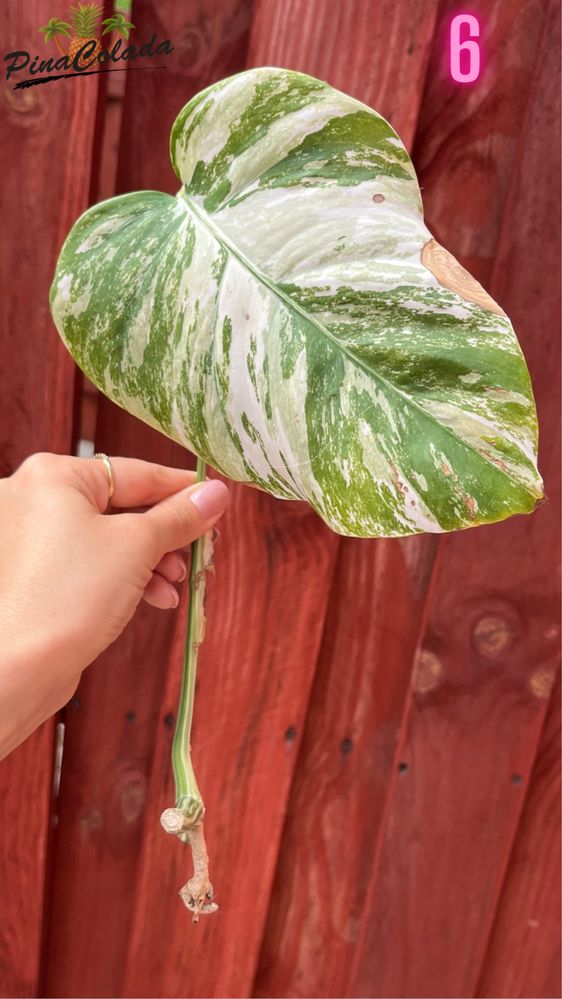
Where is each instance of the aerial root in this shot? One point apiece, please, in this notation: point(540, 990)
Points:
point(197, 893)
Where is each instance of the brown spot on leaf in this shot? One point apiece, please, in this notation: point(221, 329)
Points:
point(447, 270)
point(498, 461)
point(377, 198)
point(401, 486)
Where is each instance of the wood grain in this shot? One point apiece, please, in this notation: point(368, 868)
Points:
point(492, 638)
point(42, 192)
point(346, 764)
point(532, 884)
point(523, 957)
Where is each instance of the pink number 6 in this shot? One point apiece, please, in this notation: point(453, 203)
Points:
point(472, 49)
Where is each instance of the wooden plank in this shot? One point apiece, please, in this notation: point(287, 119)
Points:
point(266, 607)
point(254, 712)
point(110, 736)
point(210, 42)
point(491, 639)
point(347, 758)
point(375, 52)
point(263, 628)
point(466, 144)
point(533, 877)
point(345, 766)
point(523, 958)
point(42, 191)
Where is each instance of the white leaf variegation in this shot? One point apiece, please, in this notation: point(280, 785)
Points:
point(289, 318)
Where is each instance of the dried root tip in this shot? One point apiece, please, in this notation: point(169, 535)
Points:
point(196, 902)
point(197, 894)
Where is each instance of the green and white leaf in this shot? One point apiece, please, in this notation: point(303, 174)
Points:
point(277, 319)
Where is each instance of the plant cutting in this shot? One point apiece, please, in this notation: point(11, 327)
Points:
point(290, 319)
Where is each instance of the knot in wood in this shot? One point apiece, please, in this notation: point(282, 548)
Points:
point(492, 634)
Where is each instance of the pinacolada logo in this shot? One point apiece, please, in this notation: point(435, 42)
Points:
point(86, 53)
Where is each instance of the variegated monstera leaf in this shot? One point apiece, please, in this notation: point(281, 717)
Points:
point(289, 318)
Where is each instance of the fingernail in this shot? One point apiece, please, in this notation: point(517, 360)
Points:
point(183, 570)
point(175, 597)
point(210, 498)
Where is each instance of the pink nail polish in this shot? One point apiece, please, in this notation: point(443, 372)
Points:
point(210, 498)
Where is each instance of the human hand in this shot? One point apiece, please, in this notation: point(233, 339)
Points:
point(72, 578)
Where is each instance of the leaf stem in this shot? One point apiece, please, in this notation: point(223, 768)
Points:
point(185, 820)
point(188, 796)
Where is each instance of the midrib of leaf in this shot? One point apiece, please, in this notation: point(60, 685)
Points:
point(219, 235)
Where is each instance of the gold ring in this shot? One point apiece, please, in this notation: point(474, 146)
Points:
point(110, 475)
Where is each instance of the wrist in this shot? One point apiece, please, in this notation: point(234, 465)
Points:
point(35, 678)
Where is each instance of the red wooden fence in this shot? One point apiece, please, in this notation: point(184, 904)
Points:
point(377, 723)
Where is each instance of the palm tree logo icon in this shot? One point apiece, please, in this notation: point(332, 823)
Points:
point(84, 28)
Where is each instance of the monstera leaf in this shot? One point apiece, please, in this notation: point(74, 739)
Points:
point(289, 318)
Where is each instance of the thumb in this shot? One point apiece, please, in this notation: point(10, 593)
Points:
point(184, 516)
